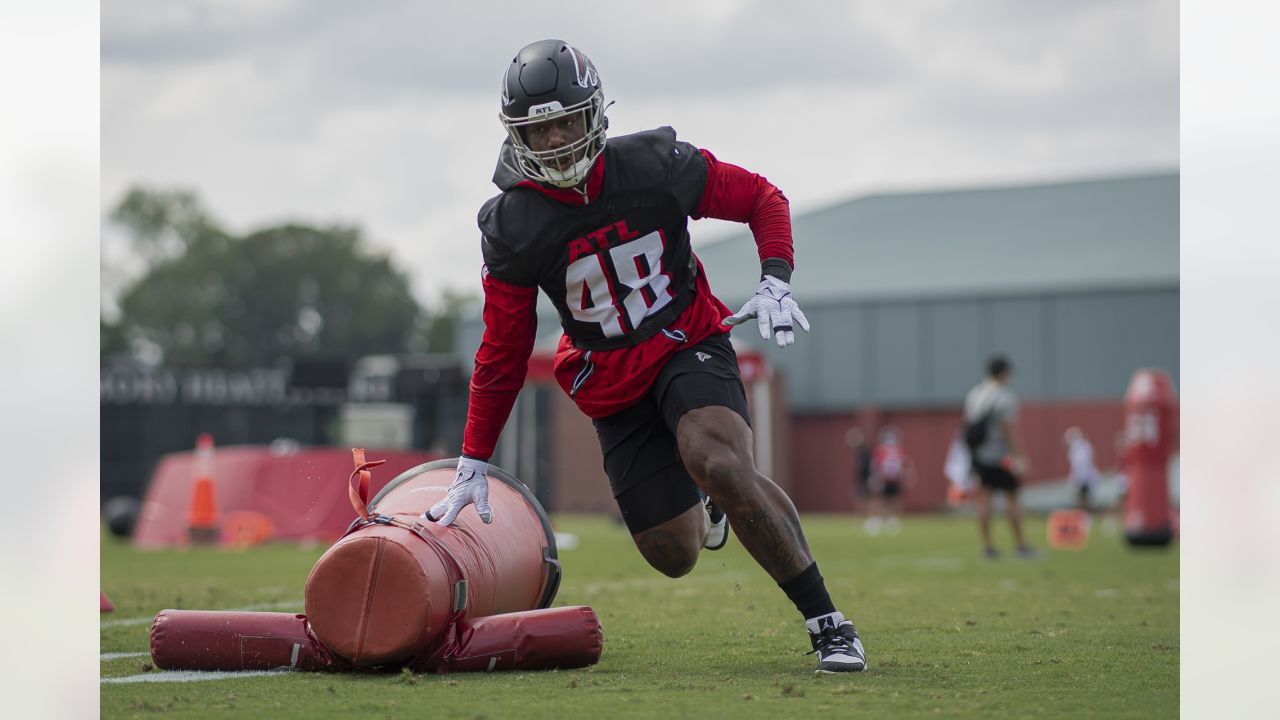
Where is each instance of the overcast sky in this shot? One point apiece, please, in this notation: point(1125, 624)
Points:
point(383, 113)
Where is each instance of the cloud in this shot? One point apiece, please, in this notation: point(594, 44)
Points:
point(383, 114)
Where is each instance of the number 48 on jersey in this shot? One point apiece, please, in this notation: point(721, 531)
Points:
point(632, 270)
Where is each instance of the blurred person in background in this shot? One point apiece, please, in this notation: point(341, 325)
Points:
point(856, 440)
point(991, 414)
point(891, 474)
point(1084, 473)
point(958, 468)
point(602, 228)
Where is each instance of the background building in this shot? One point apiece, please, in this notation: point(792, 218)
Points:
point(909, 294)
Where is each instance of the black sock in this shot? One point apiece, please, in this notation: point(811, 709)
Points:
point(809, 593)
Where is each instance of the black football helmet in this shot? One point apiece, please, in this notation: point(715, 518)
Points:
point(545, 80)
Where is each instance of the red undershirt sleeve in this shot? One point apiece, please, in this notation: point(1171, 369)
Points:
point(732, 193)
point(510, 325)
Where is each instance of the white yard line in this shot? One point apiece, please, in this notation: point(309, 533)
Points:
point(118, 655)
point(189, 676)
point(120, 622)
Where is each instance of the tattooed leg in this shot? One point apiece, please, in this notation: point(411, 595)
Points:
point(715, 444)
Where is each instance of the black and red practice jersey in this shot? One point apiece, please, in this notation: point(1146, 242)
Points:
point(617, 264)
point(618, 268)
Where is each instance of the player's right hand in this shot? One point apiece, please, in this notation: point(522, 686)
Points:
point(470, 486)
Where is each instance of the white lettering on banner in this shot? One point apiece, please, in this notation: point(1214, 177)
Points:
point(591, 298)
point(221, 387)
point(209, 386)
point(158, 388)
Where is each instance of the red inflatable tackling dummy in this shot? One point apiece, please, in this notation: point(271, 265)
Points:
point(397, 591)
point(1151, 425)
point(385, 593)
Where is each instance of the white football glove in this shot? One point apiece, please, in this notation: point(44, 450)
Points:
point(469, 486)
point(774, 310)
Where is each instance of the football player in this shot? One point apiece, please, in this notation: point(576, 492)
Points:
point(892, 473)
point(601, 227)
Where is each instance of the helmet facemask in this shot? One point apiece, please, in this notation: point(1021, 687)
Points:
point(544, 166)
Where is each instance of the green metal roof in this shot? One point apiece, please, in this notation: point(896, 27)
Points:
point(1074, 236)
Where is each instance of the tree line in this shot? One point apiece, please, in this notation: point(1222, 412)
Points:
point(207, 297)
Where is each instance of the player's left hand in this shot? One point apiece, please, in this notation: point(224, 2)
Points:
point(775, 312)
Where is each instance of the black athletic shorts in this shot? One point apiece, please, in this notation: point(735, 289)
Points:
point(994, 477)
point(891, 489)
point(641, 458)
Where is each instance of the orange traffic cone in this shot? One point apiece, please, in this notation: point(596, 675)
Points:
point(1068, 529)
point(107, 605)
point(202, 516)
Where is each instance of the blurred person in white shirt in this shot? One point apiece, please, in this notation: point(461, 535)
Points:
point(1084, 473)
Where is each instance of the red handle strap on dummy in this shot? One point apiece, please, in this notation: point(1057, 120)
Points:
point(358, 483)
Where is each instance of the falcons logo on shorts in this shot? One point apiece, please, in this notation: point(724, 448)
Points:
point(702, 357)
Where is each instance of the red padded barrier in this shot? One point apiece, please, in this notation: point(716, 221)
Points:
point(201, 640)
point(565, 638)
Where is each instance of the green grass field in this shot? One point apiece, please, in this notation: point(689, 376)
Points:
point(948, 634)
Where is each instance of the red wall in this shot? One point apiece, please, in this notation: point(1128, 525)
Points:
point(812, 463)
point(822, 466)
